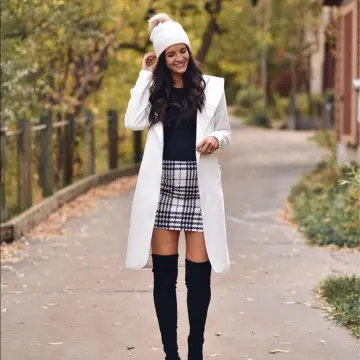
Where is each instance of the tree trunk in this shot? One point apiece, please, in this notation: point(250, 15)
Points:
point(308, 88)
point(211, 29)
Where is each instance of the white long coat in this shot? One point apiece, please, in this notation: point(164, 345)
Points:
point(211, 121)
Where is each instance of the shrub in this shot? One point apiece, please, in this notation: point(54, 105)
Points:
point(246, 97)
point(280, 106)
point(258, 119)
point(257, 115)
point(302, 103)
point(326, 139)
point(342, 294)
point(326, 204)
point(250, 106)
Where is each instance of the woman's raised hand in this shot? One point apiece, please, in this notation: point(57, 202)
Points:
point(149, 61)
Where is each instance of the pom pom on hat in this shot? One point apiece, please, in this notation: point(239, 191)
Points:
point(158, 19)
point(165, 32)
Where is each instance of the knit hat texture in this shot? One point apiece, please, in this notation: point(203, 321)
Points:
point(165, 32)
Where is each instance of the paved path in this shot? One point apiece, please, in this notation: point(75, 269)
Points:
point(69, 298)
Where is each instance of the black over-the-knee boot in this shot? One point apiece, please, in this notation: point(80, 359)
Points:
point(197, 277)
point(165, 269)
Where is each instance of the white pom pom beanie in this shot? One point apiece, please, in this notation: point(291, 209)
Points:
point(165, 32)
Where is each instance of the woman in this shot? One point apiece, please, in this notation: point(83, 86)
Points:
point(179, 182)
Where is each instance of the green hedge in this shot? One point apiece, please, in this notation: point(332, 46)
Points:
point(250, 106)
point(306, 109)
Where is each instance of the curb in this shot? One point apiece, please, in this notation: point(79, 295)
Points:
point(20, 224)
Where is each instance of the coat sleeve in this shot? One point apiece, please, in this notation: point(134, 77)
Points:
point(136, 116)
point(222, 126)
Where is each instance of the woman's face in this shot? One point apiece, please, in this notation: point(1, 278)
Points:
point(177, 58)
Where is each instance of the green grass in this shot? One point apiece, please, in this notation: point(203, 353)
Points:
point(342, 295)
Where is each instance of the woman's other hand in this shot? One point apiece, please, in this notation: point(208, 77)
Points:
point(149, 61)
point(208, 145)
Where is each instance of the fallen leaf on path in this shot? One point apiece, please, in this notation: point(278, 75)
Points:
point(218, 334)
point(8, 251)
point(56, 343)
point(130, 347)
point(81, 205)
point(276, 351)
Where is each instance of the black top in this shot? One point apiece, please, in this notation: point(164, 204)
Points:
point(179, 134)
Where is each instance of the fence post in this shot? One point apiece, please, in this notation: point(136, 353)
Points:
point(3, 215)
point(90, 142)
point(46, 168)
point(69, 140)
point(113, 139)
point(137, 146)
point(24, 165)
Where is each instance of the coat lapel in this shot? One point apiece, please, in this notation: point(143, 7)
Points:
point(213, 93)
point(204, 117)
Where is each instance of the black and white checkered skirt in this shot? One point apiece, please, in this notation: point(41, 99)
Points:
point(179, 204)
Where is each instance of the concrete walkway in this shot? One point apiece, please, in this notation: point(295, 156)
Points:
point(69, 298)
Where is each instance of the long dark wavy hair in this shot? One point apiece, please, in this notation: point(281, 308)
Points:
point(160, 91)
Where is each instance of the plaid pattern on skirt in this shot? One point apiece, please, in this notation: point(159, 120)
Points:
point(179, 204)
